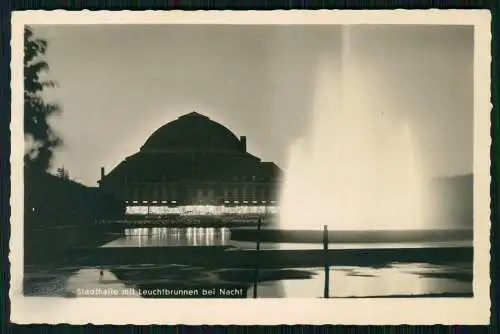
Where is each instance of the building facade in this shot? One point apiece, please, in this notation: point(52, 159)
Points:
point(193, 161)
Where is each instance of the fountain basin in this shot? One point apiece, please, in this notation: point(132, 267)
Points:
point(345, 236)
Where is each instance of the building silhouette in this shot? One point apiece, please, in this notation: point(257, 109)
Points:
point(193, 160)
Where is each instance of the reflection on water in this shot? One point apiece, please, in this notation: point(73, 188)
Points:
point(396, 279)
point(91, 279)
point(304, 246)
point(172, 237)
point(199, 236)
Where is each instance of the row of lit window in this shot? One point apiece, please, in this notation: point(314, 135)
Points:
point(153, 202)
point(193, 210)
point(248, 202)
point(225, 202)
point(173, 193)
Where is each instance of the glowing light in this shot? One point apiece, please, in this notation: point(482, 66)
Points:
point(358, 168)
point(196, 210)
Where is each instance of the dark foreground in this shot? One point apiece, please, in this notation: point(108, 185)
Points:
point(227, 256)
point(198, 269)
point(398, 280)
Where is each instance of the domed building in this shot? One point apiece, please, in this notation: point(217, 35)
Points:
point(193, 160)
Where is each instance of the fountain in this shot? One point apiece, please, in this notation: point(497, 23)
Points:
point(358, 170)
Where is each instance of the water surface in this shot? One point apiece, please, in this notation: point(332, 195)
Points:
point(396, 279)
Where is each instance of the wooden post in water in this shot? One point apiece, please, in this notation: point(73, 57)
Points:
point(257, 257)
point(326, 293)
point(259, 225)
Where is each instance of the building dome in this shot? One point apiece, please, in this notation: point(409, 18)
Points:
point(193, 132)
point(192, 161)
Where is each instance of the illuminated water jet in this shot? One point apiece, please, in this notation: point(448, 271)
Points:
point(358, 168)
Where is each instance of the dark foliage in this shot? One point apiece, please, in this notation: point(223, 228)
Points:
point(62, 173)
point(41, 137)
point(51, 200)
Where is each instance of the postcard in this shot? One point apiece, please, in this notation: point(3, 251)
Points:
point(222, 167)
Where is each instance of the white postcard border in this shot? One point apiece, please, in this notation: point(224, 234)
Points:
point(360, 311)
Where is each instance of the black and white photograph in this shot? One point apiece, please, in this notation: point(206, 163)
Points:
point(222, 161)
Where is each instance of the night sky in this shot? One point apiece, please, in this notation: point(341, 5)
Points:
point(119, 83)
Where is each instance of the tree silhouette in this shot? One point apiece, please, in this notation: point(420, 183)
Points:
point(41, 138)
point(62, 173)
